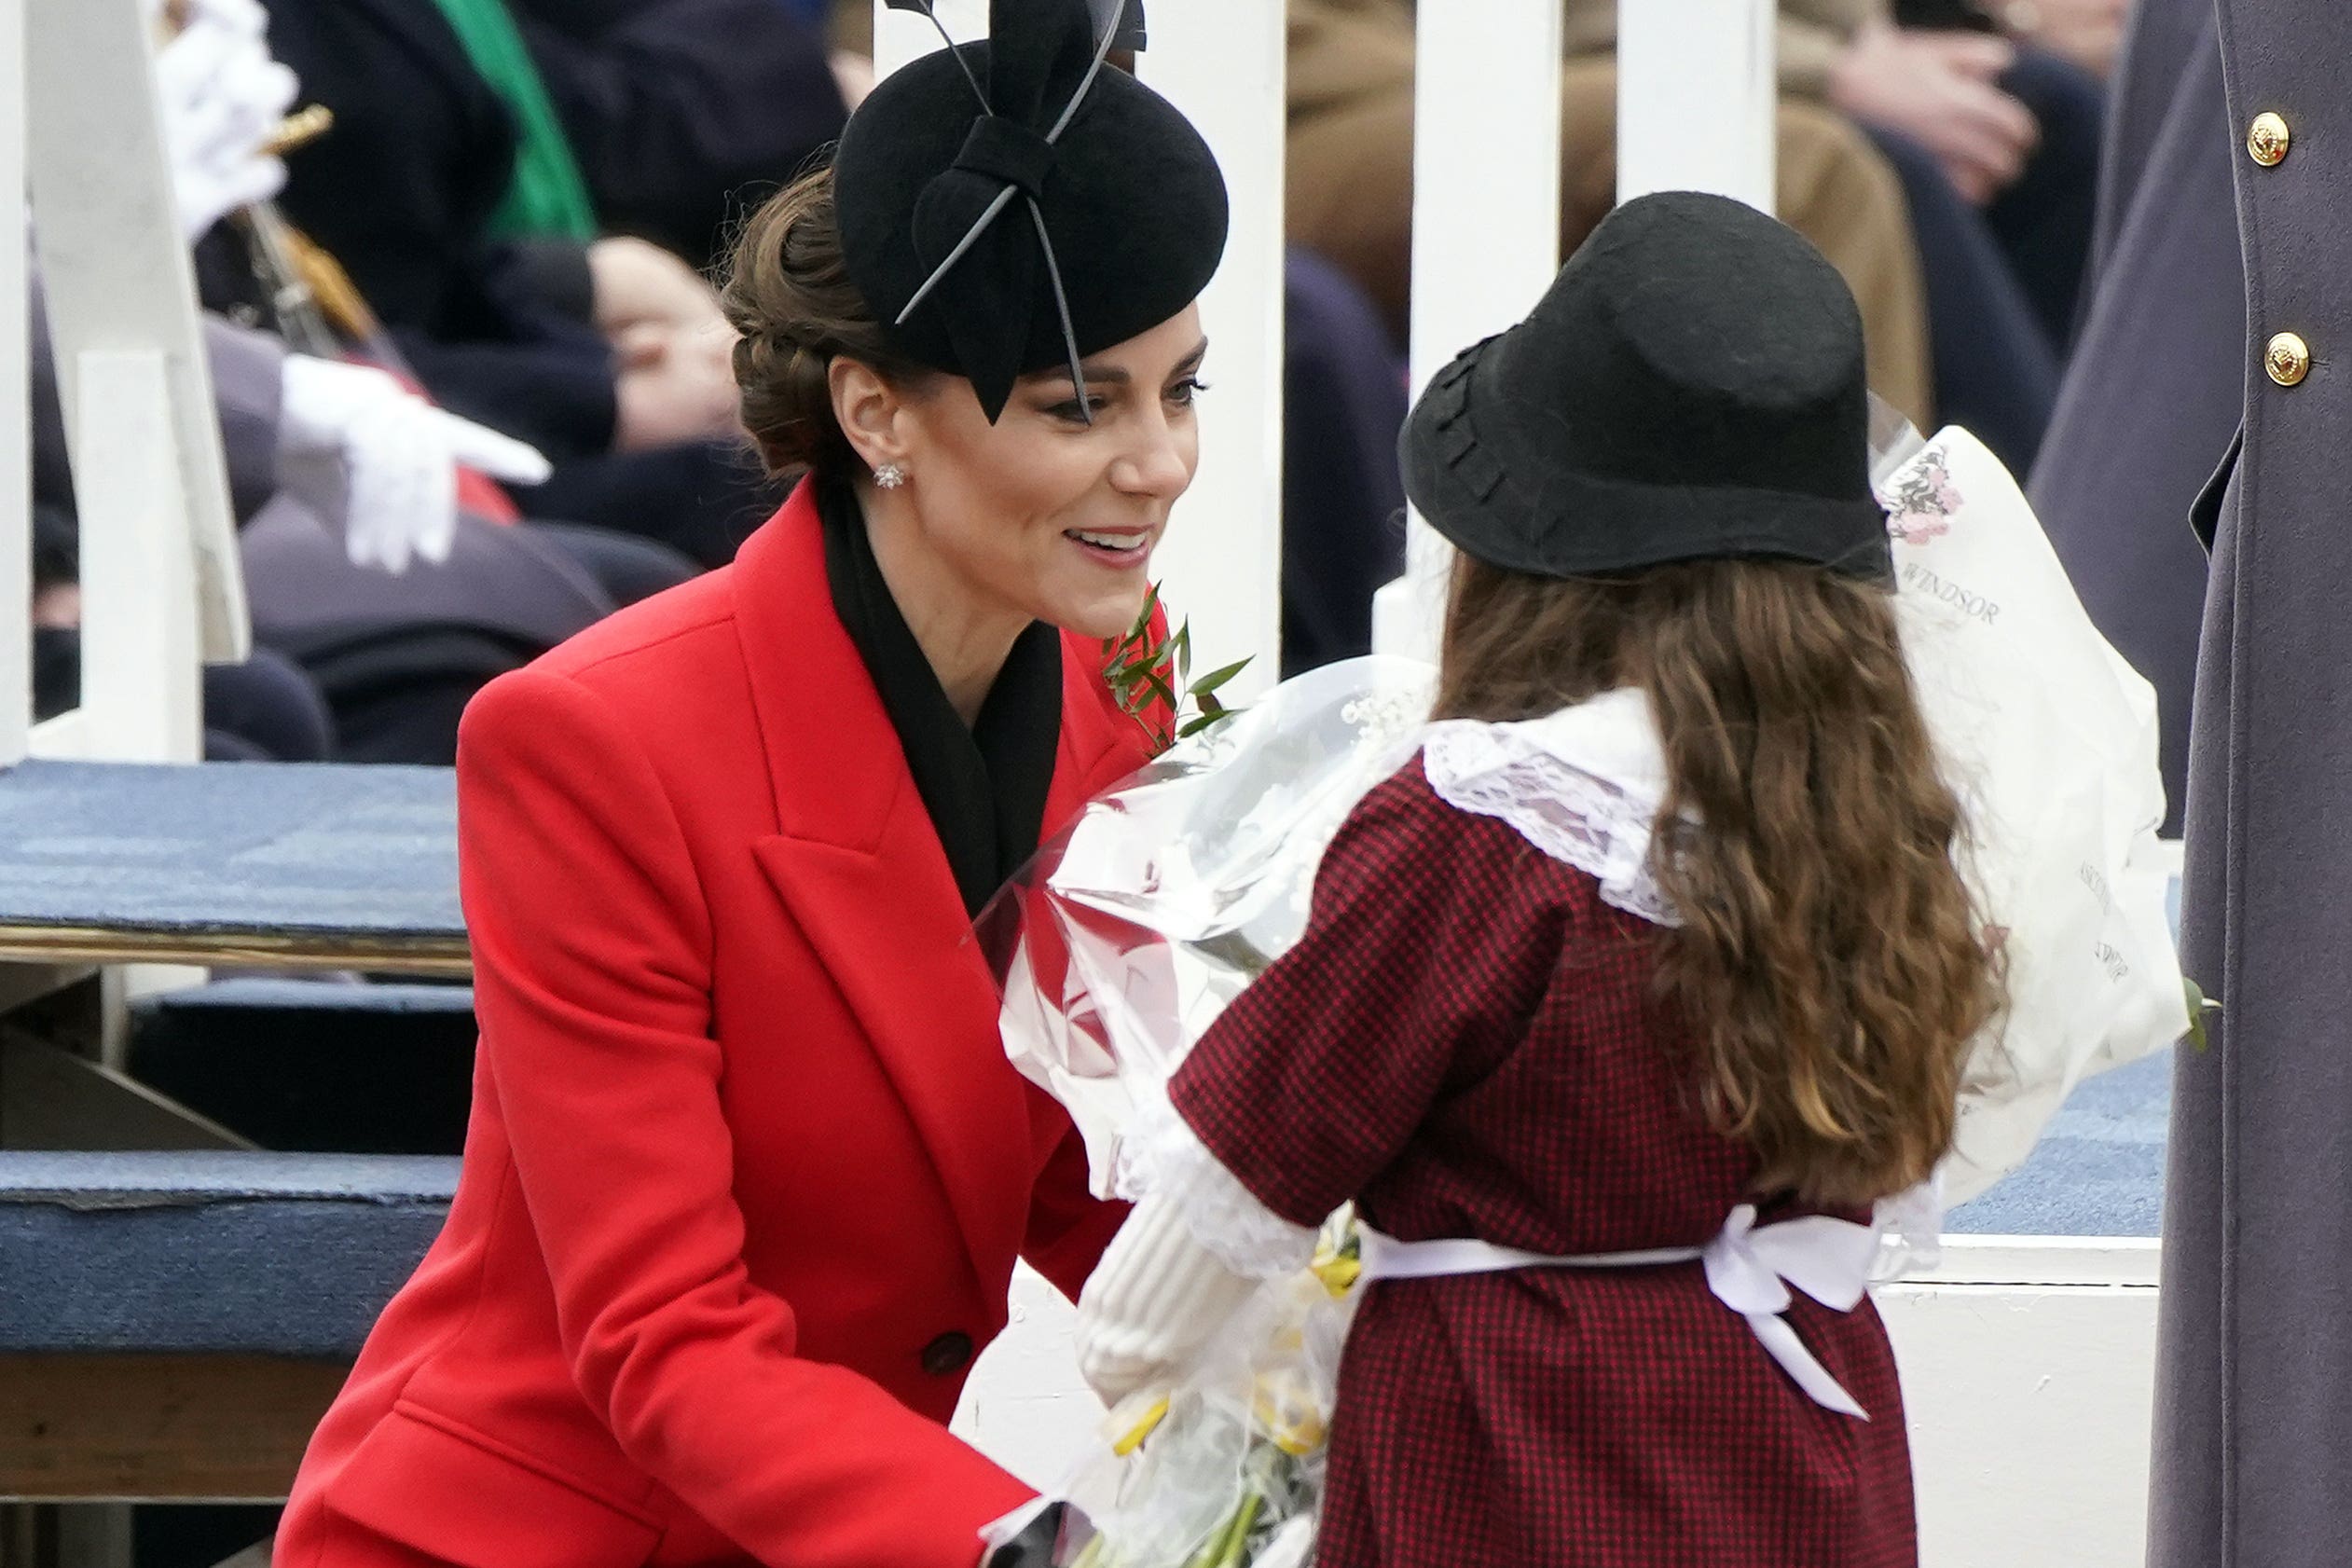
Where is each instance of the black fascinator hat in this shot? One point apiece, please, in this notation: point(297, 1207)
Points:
point(1020, 203)
point(1691, 386)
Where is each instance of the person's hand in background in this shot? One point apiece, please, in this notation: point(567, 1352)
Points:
point(674, 385)
point(639, 283)
point(357, 446)
point(854, 74)
point(1941, 89)
point(221, 97)
point(2090, 33)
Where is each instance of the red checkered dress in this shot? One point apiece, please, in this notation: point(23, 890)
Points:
point(1464, 1042)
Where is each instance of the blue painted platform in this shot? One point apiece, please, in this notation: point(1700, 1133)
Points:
point(309, 863)
point(2099, 1171)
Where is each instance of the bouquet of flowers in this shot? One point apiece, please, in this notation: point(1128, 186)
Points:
point(1224, 1470)
point(2050, 739)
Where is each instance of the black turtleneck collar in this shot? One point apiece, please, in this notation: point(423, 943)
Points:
point(983, 784)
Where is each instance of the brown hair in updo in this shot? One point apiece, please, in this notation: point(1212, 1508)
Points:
point(788, 292)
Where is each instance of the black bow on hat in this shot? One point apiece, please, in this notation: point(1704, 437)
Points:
point(1010, 205)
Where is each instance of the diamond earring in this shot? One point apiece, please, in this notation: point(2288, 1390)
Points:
point(889, 476)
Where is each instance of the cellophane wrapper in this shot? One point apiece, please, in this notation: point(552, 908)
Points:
point(1116, 950)
point(1132, 931)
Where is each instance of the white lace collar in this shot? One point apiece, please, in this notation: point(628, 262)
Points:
point(1583, 785)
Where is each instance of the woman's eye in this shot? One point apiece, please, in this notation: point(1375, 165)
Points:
point(1186, 391)
point(1076, 413)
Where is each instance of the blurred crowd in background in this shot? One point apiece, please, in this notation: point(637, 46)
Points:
point(477, 392)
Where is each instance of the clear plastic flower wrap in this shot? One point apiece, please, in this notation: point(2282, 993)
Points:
point(1124, 942)
point(2049, 738)
point(1131, 932)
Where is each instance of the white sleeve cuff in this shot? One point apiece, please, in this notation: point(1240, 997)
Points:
point(1160, 1156)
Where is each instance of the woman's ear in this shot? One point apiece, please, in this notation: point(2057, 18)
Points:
point(870, 411)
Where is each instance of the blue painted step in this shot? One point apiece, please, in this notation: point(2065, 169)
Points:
point(209, 1253)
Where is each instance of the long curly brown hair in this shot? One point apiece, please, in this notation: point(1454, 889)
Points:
point(1828, 965)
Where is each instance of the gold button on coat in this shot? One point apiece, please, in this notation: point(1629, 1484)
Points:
point(2287, 359)
point(2267, 140)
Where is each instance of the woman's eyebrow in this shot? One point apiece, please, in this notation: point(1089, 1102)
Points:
point(1119, 376)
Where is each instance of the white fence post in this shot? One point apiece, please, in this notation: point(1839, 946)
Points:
point(143, 668)
point(1486, 225)
point(1695, 93)
point(163, 587)
point(1223, 63)
point(1695, 98)
point(16, 482)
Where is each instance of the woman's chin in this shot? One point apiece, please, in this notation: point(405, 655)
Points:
point(1107, 616)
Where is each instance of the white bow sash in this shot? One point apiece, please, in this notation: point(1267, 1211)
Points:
point(1749, 1268)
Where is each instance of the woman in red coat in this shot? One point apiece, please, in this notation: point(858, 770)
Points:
point(748, 1170)
point(1621, 1004)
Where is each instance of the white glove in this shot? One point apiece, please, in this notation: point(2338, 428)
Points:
point(362, 449)
point(1157, 1297)
point(220, 96)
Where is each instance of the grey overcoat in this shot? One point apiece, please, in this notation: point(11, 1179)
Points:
point(2253, 1455)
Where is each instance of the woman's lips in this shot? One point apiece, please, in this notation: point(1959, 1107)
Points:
point(1112, 547)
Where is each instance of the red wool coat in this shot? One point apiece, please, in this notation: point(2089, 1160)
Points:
point(748, 1169)
point(1465, 1040)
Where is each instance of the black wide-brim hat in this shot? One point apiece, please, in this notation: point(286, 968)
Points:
point(1032, 205)
point(1691, 386)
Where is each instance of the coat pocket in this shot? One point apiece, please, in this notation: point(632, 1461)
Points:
point(416, 1480)
point(2205, 513)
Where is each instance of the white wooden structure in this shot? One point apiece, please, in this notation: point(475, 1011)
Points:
point(1486, 225)
point(1695, 93)
point(1222, 61)
point(16, 424)
point(161, 589)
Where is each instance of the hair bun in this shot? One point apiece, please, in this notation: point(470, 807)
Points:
point(788, 295)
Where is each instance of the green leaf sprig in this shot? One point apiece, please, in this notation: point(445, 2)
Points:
point(2198, 1007)
point(1148, 677)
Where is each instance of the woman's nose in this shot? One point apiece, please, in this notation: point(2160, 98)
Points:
point(1160, 466)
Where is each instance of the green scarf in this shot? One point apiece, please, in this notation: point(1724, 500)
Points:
point(548, 197)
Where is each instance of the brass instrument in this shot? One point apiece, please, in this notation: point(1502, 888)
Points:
point(298, 130)
point(276, 250)
point(315, 306)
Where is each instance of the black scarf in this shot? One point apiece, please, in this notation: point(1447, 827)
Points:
point(983, 784)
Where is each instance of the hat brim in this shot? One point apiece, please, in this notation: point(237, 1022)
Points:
point(1493, 496)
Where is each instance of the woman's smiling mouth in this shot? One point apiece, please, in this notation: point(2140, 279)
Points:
point(1112, 547)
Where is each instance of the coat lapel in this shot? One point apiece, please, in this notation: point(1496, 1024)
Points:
point(857, 863)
